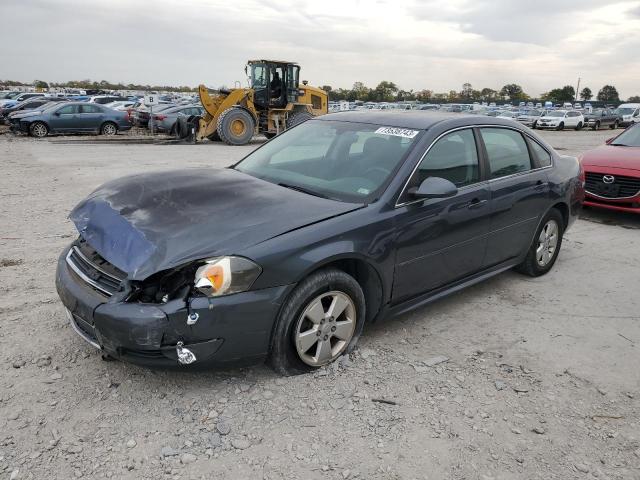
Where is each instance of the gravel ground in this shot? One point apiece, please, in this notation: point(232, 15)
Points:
point(515, 378)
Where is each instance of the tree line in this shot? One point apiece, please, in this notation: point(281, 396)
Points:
point(387, 91)
point(95, 85)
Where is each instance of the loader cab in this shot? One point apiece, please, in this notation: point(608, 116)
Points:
point(275, 84)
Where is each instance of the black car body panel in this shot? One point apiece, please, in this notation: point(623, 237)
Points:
point(407, 252)
point(147, 223)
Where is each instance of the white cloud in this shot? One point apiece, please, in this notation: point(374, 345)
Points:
point(420, 44)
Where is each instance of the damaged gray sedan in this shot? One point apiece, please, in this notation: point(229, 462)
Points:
point(285, 256)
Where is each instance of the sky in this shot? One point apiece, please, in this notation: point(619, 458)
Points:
point(418, 44)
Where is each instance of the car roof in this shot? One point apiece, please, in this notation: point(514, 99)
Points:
point(415, 119)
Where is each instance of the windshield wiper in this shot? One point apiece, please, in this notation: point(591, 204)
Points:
point(619, 144)
point(303, 190)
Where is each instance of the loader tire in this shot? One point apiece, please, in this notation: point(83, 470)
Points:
point(235, 126)
point(296, 118)
point(214, 137)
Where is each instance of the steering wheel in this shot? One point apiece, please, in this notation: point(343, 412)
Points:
point(376, 174)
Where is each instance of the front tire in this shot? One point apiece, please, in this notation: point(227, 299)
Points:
point(38, 129)
point(560, 127)
point(321, 320)
point(543, 253)
point(108, 129)
point(579, 126)
point(614, 125)
point(596, 127)
point(235, 126)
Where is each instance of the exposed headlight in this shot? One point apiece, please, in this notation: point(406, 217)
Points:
point(226, 275)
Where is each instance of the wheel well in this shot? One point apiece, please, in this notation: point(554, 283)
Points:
point(564, 210)
point(368, 279)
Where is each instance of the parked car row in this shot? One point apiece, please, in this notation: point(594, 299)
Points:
point(36, 113)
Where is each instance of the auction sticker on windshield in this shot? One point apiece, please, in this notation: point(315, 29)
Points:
point(397, 132)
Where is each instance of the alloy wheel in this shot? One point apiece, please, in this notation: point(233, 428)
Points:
point(325, 328)
point(547, 243)
point(109, 129)
point(39, 130)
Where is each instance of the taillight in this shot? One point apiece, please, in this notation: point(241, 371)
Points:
point(159, 117)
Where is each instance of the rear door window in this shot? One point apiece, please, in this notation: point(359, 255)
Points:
point(90, 109)
point(507, 151)
point(68, 110)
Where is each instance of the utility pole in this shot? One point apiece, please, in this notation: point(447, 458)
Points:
point(577, 89)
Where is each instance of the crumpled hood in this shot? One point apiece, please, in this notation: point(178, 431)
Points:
point(613, 156)
point(151, 222)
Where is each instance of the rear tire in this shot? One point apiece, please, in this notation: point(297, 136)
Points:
point(296, 118)
point(108, 129)
point(596, 127)
point(305, 323)
point(235, 126)
point(38, 129)
point(545, 247)
point(579, 126)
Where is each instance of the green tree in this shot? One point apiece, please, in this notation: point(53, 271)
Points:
point(514, 92)
point(488, 94)
point(424, 95)
point(40, 84)
point(608, 93)
point(467, 91)
point(559, 95)
point(360, 91)
point(634, 99)
point(326, 88)
point(586, 94)
point(385, 91)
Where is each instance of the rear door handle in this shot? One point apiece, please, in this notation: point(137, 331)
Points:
point(476, 203)
point(540, 186)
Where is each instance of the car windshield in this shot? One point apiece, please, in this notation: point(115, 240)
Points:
point(344, 161)
point(597, 111)
point(625, 111)
point(556, 114)
point(628, 138)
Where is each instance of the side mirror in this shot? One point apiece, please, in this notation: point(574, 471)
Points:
point(609, 140)
point(57, 114)
point(434, 187)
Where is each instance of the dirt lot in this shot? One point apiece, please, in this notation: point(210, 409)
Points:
point(541, 379)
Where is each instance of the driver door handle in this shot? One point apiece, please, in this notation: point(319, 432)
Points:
point(476, 203)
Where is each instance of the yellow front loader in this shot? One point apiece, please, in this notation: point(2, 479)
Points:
point(274, 102)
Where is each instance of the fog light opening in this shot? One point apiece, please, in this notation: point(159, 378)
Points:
point(185, 356)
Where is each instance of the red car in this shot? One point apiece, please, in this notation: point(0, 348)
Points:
point(612, 173)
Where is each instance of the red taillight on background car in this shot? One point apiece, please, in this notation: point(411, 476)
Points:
point(159, 117)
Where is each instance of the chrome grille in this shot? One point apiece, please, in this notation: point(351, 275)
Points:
point(621, 187)
point(94, 270)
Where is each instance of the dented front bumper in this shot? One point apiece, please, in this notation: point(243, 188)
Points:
point(229, 330)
